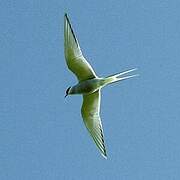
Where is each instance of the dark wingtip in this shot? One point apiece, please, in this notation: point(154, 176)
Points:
point(66, 17)
point(104, 155)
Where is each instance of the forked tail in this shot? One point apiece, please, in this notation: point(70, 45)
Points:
point(120, 76)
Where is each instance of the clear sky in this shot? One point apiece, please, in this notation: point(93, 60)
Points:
point(42, 135)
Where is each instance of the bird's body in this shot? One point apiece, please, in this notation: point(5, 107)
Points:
point(89, 85)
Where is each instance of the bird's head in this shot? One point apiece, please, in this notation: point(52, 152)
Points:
point(68, 91)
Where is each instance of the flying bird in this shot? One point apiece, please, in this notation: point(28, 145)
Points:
point(89, 85)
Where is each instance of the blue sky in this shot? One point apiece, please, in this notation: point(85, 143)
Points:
point(42, 135)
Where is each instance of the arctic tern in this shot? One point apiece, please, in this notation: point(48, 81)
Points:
point(89, 85)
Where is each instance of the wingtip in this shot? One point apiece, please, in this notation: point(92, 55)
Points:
point(104, 155)
point(65, 16)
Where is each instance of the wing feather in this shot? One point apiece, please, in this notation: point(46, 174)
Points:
point(73, 55)
point(90, 112)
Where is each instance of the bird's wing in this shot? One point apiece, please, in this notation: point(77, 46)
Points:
point(74, 58)
point(90, 113)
